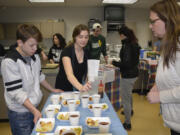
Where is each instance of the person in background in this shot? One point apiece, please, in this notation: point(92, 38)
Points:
point(73, 62)
point(22, 76)
point(128, 65)
point(41, 53)
point(38, 51)
point(2, 50)
point(97, 43)
point(55, 51)
point(165, 24)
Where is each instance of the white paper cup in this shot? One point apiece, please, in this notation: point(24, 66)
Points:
point(74, 119)
point(55, 99)
point(72, 105)
point(96, 98)
point(97, 110)
point(84, 101)
point(50, 113)
point(104, 126)
point(76, 95)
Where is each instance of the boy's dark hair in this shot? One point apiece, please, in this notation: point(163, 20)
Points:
point(24, 32)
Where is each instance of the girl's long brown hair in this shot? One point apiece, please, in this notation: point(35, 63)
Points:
point(169, 12)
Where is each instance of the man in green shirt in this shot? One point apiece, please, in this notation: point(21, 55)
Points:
point(97, 43)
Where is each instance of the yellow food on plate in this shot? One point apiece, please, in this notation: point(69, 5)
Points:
point(78, 102)
point(104, 106)
point(90, 106)
point(56, 110)
point(44, 127)
point(63, 116)
point(61, 131)
point(90, 99)
point(77, 130)
point(61, 97)
point(92, 123)
point(65, 102)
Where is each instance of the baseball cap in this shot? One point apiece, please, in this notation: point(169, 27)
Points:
point(97, 25)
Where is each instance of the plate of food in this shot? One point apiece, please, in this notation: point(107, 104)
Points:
point(61, 129)
point(45, 124)
point(50, 66)
point(64, 116)
point(93, 122)
point(55, 108)
point(45, 134)
point(67, 95)
point(65, 102)
point(104, 106)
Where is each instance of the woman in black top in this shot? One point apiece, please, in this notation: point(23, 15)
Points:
point(128, 65)
point(55, 51)
point(73, 62)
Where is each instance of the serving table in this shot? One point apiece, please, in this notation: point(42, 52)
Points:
point(116, 127)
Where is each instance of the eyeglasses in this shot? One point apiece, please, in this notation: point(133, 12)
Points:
point(153, 21)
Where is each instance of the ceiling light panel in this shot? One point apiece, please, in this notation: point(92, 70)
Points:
point(119, 1)
point(47, 1)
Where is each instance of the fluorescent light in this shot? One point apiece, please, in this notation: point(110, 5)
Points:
point(120, 1)
point(48, 1)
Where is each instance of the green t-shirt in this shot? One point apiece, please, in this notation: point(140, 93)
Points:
point(96, 46)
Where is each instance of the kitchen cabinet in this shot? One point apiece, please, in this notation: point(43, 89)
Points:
point(10, 30)
point(37, 24)
point(1, 31)
point(48, 29)
point(59, 27)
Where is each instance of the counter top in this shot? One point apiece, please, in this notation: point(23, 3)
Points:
point(50, 72)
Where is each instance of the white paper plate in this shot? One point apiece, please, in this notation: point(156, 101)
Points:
point(67, 95)
point(56, 108)
point(92, 122)
point(45, 120)
point(45, 134)
point(64, 116)
point(65, 103)
point(104, 106)
point(63, 128)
